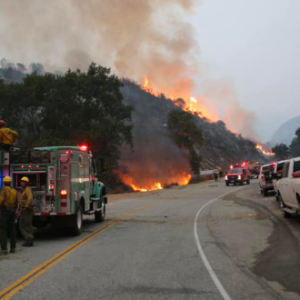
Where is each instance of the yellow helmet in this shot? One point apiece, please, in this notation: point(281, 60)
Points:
point(7, 179)
point(25, 179)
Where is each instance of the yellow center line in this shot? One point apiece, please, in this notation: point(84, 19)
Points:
point(24, 281)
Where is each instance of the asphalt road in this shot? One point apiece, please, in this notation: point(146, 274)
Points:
point(204, 241)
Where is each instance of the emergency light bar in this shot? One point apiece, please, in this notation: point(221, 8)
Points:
point(83, 147)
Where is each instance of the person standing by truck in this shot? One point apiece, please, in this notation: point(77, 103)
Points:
point(26, 213)
point(8, 206)
point(7, 136)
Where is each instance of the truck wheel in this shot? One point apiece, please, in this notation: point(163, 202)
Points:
point(265, 192)
point(76, 222)
point(100, 215)
point(227, 183)
point(285, 214)
point(248, 181)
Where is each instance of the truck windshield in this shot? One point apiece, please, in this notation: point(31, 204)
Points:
point(280, 167)
point(236, 171)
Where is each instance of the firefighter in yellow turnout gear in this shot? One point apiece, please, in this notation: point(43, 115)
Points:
point(7, 136)
point(8, 206)
point(26, 213)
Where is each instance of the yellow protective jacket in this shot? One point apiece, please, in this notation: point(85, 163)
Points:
point(26, 198)
point(8, 197)
point(8, 136)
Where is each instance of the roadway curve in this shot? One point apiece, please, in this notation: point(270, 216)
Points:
point(204, 241)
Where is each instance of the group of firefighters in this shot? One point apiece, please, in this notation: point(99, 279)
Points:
point(9, 202)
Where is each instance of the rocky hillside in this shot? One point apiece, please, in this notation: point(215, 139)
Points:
point(154, 157)
point(150, 134)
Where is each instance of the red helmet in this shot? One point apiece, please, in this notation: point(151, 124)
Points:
point(2, 123)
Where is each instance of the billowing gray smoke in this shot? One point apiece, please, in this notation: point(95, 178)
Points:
point(135, 37)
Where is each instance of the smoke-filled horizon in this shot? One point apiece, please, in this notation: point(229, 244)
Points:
point(135, 38)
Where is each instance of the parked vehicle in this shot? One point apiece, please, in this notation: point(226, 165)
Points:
point(266, 179)
point(254, 168)
point(238, 176)
point(64, 181)
point(278, 169)
point(289, 188)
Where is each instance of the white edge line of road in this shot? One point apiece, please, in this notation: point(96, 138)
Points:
point(207, 265)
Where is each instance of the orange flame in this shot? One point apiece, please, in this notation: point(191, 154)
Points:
point(264, 151)
point(127, 179)
point(146, 82)
point(185, 180)
point(145, 86)
point(193, 104)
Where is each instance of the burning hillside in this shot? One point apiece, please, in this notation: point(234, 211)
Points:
point(189, 103)
point(153, 39)
point(264, 151)
point(156, 161)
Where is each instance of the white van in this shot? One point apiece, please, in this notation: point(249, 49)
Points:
point(278, 170)
point(288, 188)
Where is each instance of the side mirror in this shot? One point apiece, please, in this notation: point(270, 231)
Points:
point(276, 176)
point(296, 174)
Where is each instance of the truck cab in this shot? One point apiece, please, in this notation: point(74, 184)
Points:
point(64, 182)
point(289, 188)
point(238, 176)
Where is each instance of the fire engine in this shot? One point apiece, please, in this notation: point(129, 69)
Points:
point(253, 167)
point(64, 182)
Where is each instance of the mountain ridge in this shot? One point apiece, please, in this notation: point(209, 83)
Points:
point(286, 132)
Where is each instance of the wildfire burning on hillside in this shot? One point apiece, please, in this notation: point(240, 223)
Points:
point(189, 103)
point(264, 151)
point(127, 179)
point(164, 46)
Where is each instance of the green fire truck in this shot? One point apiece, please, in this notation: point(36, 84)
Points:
point(64, 182)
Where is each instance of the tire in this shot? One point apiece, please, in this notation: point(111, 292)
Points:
point(100, 215)
point(285, 214)
point(227, 183)
point(76, 222)
point(248, 181)
point(265, 192)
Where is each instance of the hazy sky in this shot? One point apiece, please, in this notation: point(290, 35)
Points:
point(255, 45)
point(249, 49)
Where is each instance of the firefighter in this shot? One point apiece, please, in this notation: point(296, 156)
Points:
point(8, 206)
point(26, 213)
point(216, 175)
point(7, 136)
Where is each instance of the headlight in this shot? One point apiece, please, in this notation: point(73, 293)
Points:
point(240, 177)
point(226, 177)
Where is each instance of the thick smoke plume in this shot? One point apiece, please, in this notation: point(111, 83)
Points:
point(136, 38)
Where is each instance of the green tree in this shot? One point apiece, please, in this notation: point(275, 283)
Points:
point(298, 133)
point(186, 135)
point(281, 151)
point(70, 109)
point(295, 145)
